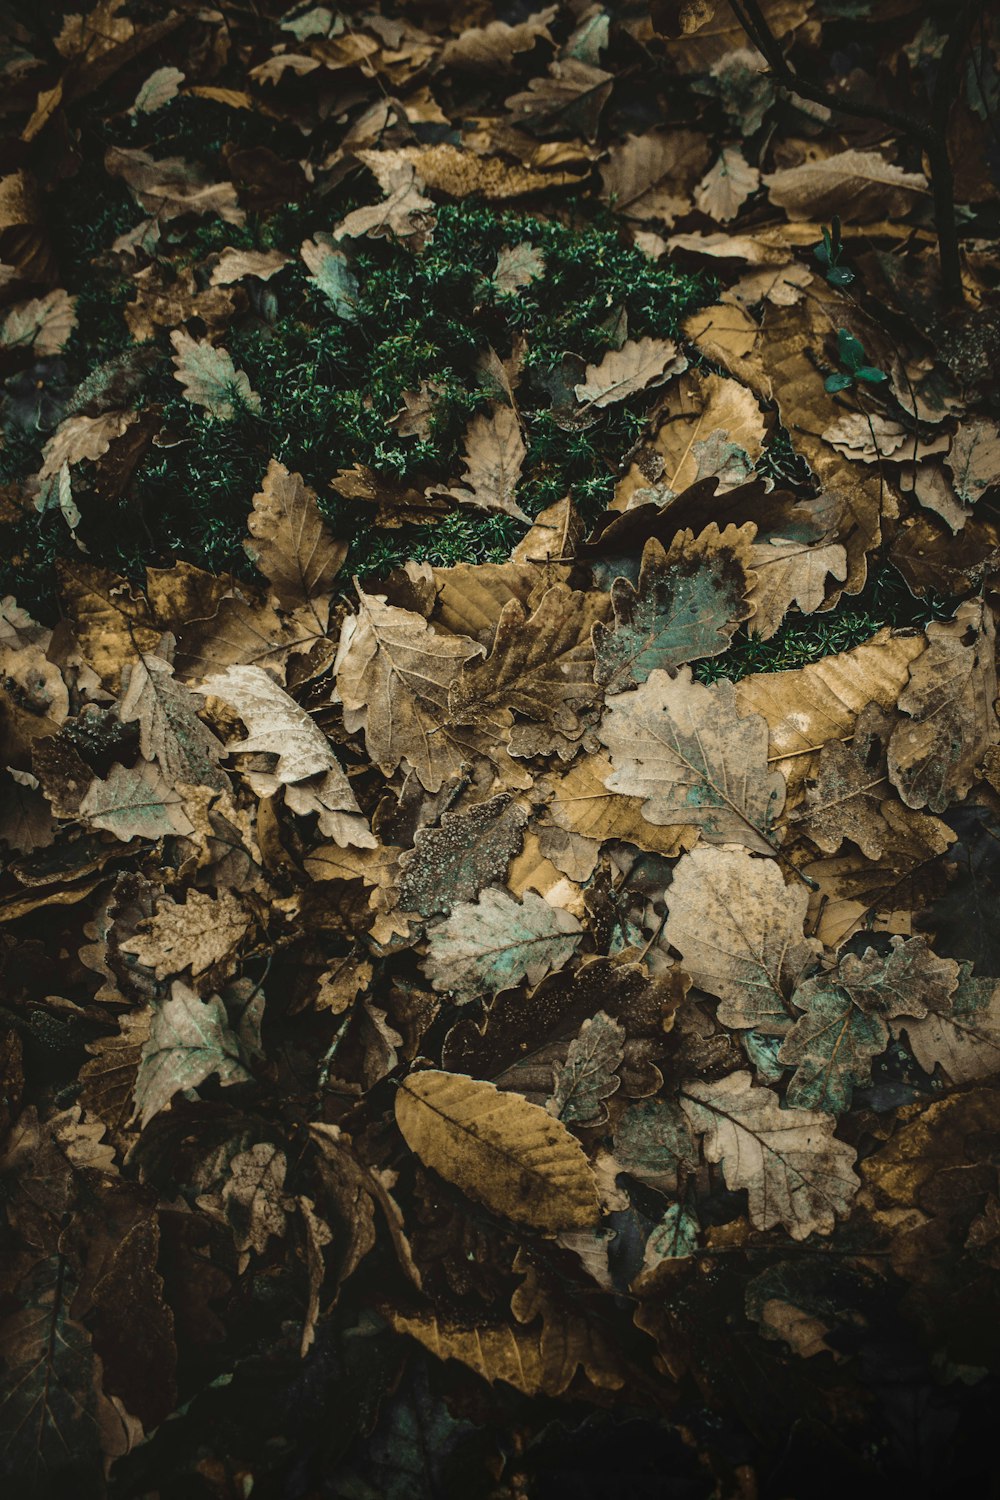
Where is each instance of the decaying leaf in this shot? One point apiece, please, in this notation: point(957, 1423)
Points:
point(860, 183)
point(934, 754)
point(685, 748)
point(289, 541)
point(740, 932)
point(491, 944)
point(634, 367)
point(189, 1040)
point(589, 1074)
point(393, 675)
point(501, 1150)
point(687, 605)
point(210, 379)
point(844, 1026)
point(494, 453)
point(794, 1169)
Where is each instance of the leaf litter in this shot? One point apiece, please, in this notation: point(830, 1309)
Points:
point(443, 1006)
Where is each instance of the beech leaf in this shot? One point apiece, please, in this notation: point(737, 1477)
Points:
point(505, 1153)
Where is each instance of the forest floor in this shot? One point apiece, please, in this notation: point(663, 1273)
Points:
point(500, 794)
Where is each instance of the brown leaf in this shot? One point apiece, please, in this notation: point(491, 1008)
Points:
point(632, 368)
point(861, 184)
point(541, 665)
point(739, 931)
point(503, 1152)
point(685, 748)
point(949, 698)
point(393, 675)
point(651, 176)
point(493, 455)
point(289, 542)
point(794, 1169)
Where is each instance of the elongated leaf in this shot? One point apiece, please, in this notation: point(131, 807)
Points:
point(502, 1151)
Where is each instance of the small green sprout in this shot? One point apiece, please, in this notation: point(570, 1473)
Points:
point(853, 358)
point(829, 252)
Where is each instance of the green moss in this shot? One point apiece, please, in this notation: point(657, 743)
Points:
point(802, 639)
point(330, 388)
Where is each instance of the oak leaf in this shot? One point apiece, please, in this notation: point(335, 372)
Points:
point(497, 1148)
point(686, 606)
point(196, 935)
point(590, 1073)
point(685, 749)
point(289, 542)
point(634, 367)
point(465, 852)
point(845, 1026)
point(726, 185)
point(210, 379)
point(934, 756)
point(581, 803)
point(794, 1169)
point(493, 943)
point(963, 1038)
point(189, 1040)
point(305, 764)
point(136, 803)
point(974, 459)
point(170, 731)
point(739, 931)
point(493, 454)
point(541, 665)
point(787, 573)
point(393, 674)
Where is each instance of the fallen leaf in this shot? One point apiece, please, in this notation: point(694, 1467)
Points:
point(189, 1040)
point(686, 606)
point(685, 748)
point(632, 368)
point(794, 1169)
point(210, 379)
point(505, 1153)
point(740, 933)
point(861, 184)
point(493, 943)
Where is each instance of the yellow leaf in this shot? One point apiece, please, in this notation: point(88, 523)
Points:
point(497, 1148)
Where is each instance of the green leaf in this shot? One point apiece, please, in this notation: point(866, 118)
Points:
point(870, 374)
point(850, 349)
point(834, 383)
point(839, 276)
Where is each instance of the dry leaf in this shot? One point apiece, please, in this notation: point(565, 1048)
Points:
point(491, 944)
point(632, 368)
point(685, 748)
point(504, 1152)
point(739, 931)
point(794, 1169)
point(858, 184)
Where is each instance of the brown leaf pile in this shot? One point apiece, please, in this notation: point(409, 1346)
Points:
point(453, 967)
